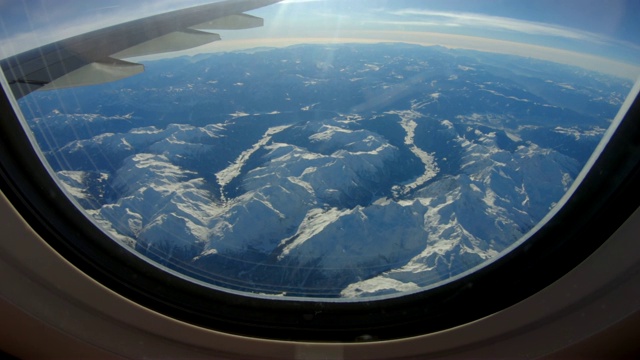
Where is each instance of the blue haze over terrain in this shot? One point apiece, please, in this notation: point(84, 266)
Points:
point(326, 170)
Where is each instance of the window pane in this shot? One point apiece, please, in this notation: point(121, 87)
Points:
point(343, 149)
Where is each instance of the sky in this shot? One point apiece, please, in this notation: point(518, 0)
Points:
point(595, 34)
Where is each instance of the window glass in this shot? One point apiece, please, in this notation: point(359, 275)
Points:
point(340, 149)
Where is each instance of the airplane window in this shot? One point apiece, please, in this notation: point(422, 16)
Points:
point(316, 153)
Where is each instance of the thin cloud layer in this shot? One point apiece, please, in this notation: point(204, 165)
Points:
point(334, 20)
point(487, 22)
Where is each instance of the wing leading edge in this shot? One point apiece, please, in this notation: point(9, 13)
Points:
point(97, 57)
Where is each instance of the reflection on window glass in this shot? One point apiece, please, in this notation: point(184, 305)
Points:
point(343, 149)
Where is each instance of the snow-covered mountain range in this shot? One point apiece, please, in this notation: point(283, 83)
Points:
point(343, 170)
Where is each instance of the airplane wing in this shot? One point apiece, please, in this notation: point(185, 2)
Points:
point(96, 57)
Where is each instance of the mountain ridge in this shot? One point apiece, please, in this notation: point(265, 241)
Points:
point(387, 169)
